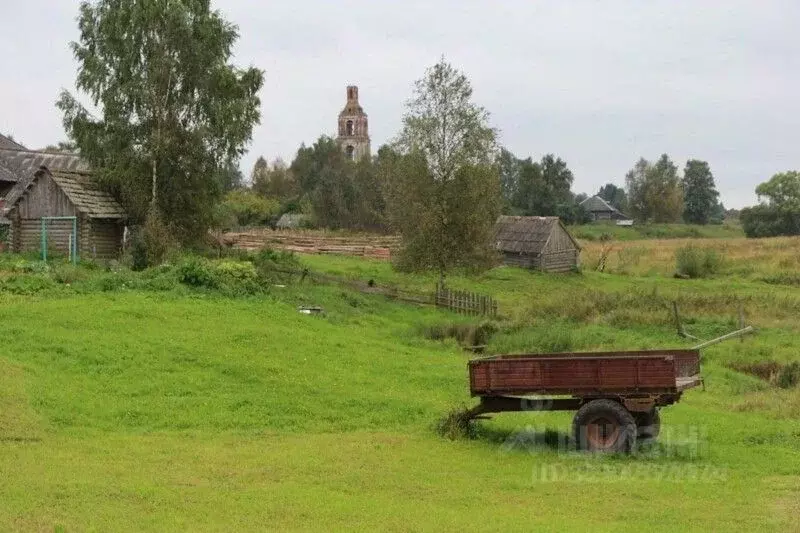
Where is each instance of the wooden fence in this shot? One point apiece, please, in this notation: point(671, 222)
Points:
point(465, 303)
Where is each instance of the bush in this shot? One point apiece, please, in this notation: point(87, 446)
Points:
point(789, 376)
point(151, 243)
point(275, 266)
point(67, 274)
point(692, 262)
point(769, 221)
point(196, 272)
point(456, 425)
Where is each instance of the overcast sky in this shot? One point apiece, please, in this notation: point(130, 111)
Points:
point(599, 83)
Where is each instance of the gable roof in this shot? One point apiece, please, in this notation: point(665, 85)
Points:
point(596, 204)
point(26, 162)
point(79, 187)
point(87, 196)
point(526, 235)
point(8, 142)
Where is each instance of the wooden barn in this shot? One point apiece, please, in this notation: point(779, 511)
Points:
point(56, 192)
point(541, 243)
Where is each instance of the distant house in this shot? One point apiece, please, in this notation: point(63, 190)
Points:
point(292, 221)
point(541, 243)
point(599, 209)
point(57, 192)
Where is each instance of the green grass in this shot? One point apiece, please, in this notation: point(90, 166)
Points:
point(136, 405)
point(593, 232)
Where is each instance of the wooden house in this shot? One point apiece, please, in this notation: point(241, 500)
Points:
point(56, 192)
point(598, 209)
point(541, 243)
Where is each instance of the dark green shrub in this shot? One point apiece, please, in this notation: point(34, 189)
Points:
point(769, 221)
point(196, 272)
point(789, 375)
point(276, 266)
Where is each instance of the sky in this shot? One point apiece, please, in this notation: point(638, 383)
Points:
point(598, 83)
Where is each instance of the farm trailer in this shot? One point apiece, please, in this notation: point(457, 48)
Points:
point(617, 395)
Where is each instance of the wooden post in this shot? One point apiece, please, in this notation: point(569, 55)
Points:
point(741, 321)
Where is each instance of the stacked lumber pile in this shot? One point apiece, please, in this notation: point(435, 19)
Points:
point(315, 242)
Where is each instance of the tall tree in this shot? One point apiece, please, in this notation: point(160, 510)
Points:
point(557, 180)
point(700, 196)
point(527, 200)
point(615, 196)
point(654, 191)
point(173, 110)
point(779, 210)
point(782, 191)
point(274, 180)
point(509, 177)
point(446, 194)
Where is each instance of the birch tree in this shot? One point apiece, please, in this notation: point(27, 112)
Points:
point(171, 112)
point(445, 184)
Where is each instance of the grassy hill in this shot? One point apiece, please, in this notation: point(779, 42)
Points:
point(142, 402)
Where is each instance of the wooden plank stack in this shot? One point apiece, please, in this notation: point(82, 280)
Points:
point(315, 242)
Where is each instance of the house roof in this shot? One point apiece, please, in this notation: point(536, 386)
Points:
point(27, 162)
point(87, 196)
point(79, 187)
point(7, 142)
point(525, 235)
point(596, 204)
point(6, 174)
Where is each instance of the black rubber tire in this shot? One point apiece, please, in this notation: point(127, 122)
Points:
point(648, 425)
point(604, 426)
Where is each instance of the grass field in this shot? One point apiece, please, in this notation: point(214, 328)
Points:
point(598, 231)
point(130, 402)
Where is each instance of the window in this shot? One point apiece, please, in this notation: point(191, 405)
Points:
point(350, 152)
point(349, 128)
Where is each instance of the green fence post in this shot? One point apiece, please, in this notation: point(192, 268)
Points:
point(44, 239)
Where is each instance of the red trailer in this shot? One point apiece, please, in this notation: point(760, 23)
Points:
point(617, 395)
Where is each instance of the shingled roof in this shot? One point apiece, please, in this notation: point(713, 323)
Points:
point(24, 163)
point(8, 142)
point(81, 190)
point(524, 235)
point(596, 204)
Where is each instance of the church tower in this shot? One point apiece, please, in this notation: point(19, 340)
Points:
point(353, 129)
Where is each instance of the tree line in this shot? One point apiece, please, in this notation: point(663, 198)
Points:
point(174, 115)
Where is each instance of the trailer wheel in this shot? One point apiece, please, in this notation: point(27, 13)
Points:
point(648, 425)
point(604, 426)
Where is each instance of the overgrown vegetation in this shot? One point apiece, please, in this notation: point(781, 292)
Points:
point(694, 262)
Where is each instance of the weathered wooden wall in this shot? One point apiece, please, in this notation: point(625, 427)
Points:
point(97, 238)
point(561, 254)
point(45, 199)
point(105, 241)
point(27, 235)
point(520, 260)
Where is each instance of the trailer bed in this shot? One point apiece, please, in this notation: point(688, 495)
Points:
point(626, 373)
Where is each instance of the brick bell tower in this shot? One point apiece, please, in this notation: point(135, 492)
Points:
point(353, 128)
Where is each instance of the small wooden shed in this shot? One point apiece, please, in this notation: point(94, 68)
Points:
point(71, 208)
point(541, 243)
